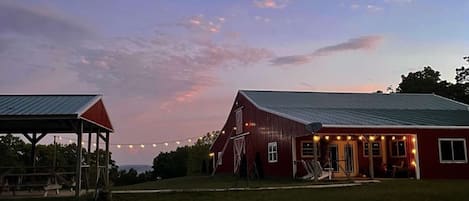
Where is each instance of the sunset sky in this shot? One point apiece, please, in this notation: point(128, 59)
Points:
point(170, 69)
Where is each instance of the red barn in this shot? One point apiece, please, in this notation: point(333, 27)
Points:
point(415, 135)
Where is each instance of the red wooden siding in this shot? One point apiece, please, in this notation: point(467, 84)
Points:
point(97, 113)
point(272, 128)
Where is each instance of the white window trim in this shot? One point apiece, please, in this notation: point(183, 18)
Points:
point(272, 144)
point(397, 148)
point(380, 149)
point(452, 161)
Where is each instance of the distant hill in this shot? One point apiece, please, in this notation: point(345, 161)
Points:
point(138, 168)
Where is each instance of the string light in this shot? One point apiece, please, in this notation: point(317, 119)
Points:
point(189, 140)
point(372, 138)
point(166, 144)
point(94, 144)
point(154, 145)
point(414, 151)
point(393, 137)
point(177, 142)
point(131, 146)
point(382, 137)
point(222, 132)
point(349, 137)
point(327, 137)
point(360, 137)
point(118, 146)
point(338, 137)
point(404, 138)
point(413, 163)
point(316, 138)
point(413, 139)
point(142, 146)
point(70, 141)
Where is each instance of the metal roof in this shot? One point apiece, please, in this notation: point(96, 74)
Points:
point(45, 105)
point(362, 109)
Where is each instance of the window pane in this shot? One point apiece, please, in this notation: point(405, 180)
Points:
point(401, 148)
point(458, 147)
point(333, 157)
point(446, 151)
point(307, 149)
point(394, 149)
point(376, 149)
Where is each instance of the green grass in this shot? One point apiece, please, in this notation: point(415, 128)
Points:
point(390, 190)
point(387, 190)
point(211, 182)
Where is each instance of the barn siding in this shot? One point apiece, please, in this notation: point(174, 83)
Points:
point(98, 114)
point(270, 127)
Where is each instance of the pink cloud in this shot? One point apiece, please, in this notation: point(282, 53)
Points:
point(271, 3)
point(360, 43)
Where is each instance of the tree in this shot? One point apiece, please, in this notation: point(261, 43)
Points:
point(428, 81)
point(462, 74)
point(425, 81)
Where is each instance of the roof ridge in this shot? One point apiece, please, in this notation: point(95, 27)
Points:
point(334, 92)
point(51, 94)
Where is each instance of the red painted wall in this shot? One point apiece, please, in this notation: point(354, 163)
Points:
point(268, 128)
point(97, 113)
point(430, 165)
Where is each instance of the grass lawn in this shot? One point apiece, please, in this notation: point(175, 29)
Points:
point(388, 190)
point(213, 182)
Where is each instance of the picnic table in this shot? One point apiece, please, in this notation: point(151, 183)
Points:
point(45, 181)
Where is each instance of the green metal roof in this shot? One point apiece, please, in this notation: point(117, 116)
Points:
point(362, 109)
point(44, 105)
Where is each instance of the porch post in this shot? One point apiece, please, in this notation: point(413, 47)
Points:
point(315, 150)
point(97, 158)
point(293, 151)
point(106, 170)
point(416, 157)
point(79, 156)
point(370, 157)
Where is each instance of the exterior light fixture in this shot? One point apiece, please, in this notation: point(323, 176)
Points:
point(349, 137)
point(326, 137)
point(372, 138)
point(404, 138)
point(316, 138)
point(393, 137)
point(414, 151)
point(360, 137)
point(338, 137)
point(382, 137)
point(413, 140)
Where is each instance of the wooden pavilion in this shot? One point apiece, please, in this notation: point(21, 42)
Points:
point(36, 116)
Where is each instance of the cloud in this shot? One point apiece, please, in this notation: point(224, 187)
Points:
point(360, 43)
point(200, 24)
point(273, 4)
point(34, 21)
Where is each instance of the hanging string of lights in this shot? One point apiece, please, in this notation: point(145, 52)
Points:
point(141, 145)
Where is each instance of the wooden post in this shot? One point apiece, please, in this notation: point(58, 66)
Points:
point(88, 158)
point(315, 150)
point(370, 158)
point(106, 170)
point(33, 150)
point(97, 158)
point(79, 156)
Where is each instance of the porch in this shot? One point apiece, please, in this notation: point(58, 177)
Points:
point(348, 155)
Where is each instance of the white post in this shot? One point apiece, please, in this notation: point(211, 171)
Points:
point(293, 152)
point(417, 160)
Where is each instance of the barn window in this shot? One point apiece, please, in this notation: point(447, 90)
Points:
point(307, 149)
point(220, 158)
point(452, 150)
point(239, 121)
point(398, 148)
point(272, 152)
point(376, 149)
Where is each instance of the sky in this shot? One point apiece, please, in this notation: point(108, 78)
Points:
point(169, 70)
